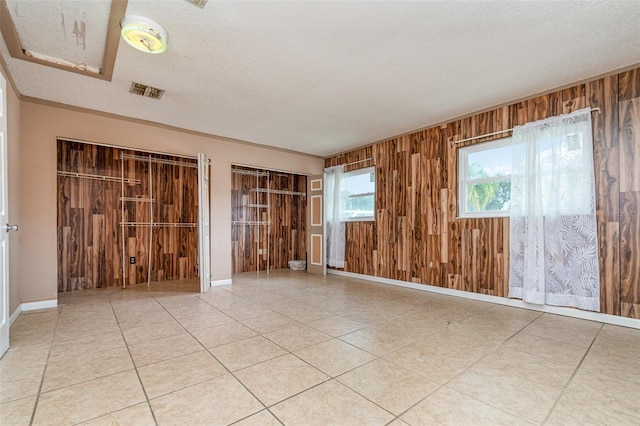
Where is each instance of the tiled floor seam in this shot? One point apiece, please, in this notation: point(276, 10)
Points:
point(214, 357)
point(483, 357)
point(268, 407)
point(135, 367)
point(44, 370)
point(344, 372)
point(487, 354)
point(334, 378)
point(460, 373)
point(575, 371)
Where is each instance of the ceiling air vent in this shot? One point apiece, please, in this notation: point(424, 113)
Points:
point(199, 3)
point(146, 91)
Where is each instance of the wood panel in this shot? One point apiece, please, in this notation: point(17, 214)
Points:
point(603, 93)
point(90, 211)
point(281, 234)
point(422, 240)
point(629, 129)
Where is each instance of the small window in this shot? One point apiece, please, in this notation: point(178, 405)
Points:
point(484, 179)
point(360, 194)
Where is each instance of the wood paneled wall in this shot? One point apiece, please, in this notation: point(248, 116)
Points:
point(416, 236)
point(284, 238)
point(90, 212)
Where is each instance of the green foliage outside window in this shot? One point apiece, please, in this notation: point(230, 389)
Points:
point(487, 196)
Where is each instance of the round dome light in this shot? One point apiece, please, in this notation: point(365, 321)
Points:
point(144, 34)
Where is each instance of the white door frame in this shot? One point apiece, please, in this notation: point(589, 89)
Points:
point(4, 226)
point(204, 216)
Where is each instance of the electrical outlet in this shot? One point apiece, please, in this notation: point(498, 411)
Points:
point(259, 251)
point(132, 260)
point(430, 264)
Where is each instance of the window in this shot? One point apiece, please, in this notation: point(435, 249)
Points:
point(359, 193)
point(484, 179)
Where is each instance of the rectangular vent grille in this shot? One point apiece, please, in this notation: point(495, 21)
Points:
point(199, 3)
point(146, 91)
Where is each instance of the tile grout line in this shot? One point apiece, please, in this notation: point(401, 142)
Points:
point(44, 371)
point(214, 357)
point(59, 328)
point(575, 371)
point(330, 378)
point(444, 384)
point(377, 357)
point(135, 367)
point(380, 357)
point(232, 373)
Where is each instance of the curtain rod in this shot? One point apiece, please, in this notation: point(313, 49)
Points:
point(501, 131)
point(359, 161)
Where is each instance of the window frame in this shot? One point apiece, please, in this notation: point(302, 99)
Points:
point(463, 183)
point(356, 172)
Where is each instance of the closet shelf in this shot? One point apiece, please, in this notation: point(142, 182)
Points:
point(249, 172)
point(262, 206)
point(98, 177)
point(250, 222)
point(161, 224)
point(277, 191)
point(139, 199)
point(157, 160)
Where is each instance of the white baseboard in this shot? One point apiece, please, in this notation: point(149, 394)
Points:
point(32, 306)
point(14, 315)
point(43, 304)
point(569, 312)
point(216, 283)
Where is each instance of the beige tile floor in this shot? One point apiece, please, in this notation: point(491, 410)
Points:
point(296, 349)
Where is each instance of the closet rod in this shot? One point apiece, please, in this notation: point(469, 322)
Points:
point(249, 222)
point(249, 172)
point(156, 160)
point(142, 200)
point(501, 131)
point(277, 191)
point(98, 177)
point(161, 224)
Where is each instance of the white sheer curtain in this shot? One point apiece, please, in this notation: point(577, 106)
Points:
point(553, 243)
point(335, 200)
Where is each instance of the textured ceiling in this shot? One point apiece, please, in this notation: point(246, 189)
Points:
point(322, 77)
point(73, 31)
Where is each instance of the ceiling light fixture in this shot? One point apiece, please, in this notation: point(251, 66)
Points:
point(144, 34)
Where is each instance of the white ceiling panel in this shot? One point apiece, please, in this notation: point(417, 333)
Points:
point(73, 31)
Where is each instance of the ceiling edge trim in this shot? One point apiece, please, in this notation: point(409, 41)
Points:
point(9, 77)
point(11, 39)
point(481, 111)
point(162, 126)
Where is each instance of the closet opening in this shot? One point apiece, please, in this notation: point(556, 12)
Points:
point(126, 219)
point(268, 214)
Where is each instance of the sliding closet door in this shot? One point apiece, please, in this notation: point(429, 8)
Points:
point(315, 241)
point(203, 226)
